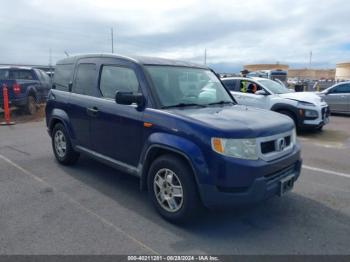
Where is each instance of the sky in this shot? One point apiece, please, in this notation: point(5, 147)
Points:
point(233, 32)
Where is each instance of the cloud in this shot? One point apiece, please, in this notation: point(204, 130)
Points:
point(233, 32)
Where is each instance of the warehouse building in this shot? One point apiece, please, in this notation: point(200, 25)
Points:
point(257, 67)
point(304, 73)
point(312, 74)
point(342, 71)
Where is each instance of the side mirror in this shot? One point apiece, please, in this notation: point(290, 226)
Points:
point(128, 98)
point(261, 93)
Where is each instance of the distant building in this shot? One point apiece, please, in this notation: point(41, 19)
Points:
point(342, 71)
point(301, 73)
point(312, 74)
point(257, 67)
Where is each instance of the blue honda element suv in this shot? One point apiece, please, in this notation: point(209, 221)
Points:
point(175, 126)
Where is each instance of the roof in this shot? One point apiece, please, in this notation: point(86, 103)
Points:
point(244, 78)
point(16, 67)
point(143, 60)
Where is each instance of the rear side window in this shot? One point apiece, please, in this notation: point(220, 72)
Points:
point(63, 75)
point(230, 84)
point(4, 74)
point(344, 88)
point(114, 78)
point(85, 79)
point(22, 74)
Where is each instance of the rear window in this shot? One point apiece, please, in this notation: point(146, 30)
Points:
point(22, 74)
point(63, 75)
point(4, 74)
point(85, 80)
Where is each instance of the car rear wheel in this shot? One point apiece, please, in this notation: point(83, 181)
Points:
point(62, 146)
point(172, 189)
point(31, 105)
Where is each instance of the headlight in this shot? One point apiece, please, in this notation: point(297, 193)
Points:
point(239, 148)
point(301, 103)
point(310, 113)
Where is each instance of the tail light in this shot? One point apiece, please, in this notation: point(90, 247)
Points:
point(16, 88)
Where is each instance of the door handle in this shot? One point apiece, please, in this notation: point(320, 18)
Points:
point(92, 111)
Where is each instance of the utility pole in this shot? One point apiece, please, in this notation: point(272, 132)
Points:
point(50, 59)
point(310, 59)
point(112, 39)
point(205, 56)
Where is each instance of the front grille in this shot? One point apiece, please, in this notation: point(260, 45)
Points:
point(275, 146)
point(270, 146)
point(267, 147)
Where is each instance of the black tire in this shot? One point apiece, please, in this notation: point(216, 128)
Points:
point(30, 107)
point(67, 156)
point(191, 204)
point(291, 115)
point(319, 129)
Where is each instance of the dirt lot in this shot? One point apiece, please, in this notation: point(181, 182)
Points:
point(19, 116)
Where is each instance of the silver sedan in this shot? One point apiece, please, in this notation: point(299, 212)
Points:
point(338, 97)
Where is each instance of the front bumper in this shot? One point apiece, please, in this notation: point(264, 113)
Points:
point(265, 183)
point(305, 123)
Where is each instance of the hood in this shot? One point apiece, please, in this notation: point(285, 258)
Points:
point(237, 120)
point(310, 97)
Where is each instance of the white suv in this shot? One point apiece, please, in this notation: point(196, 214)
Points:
point(308, 110)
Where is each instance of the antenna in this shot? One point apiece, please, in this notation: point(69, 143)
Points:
point(310, 59)
point(112, 39)
point(50, 57)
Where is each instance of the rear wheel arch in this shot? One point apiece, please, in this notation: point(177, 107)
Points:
point(59, 115)
point(31, 91)
point(53, 123)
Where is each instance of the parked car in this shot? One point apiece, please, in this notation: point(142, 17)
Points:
point(173, 125)
point(338, 97)
point(26, 87)
point(307, 110)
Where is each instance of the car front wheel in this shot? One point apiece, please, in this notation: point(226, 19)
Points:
point(172, 189)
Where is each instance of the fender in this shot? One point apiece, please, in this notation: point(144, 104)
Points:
point(287, 107)
point(32, 89)
point(59, 114)
point(178, 145)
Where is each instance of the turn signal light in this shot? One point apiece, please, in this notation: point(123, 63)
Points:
point(217, 146)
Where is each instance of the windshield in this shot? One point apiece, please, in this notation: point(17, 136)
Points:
point(183, 86)
point(273, 86)
point(279, 75)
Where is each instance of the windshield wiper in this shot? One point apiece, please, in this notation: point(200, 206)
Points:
point(222, 102)
point(183, 105)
